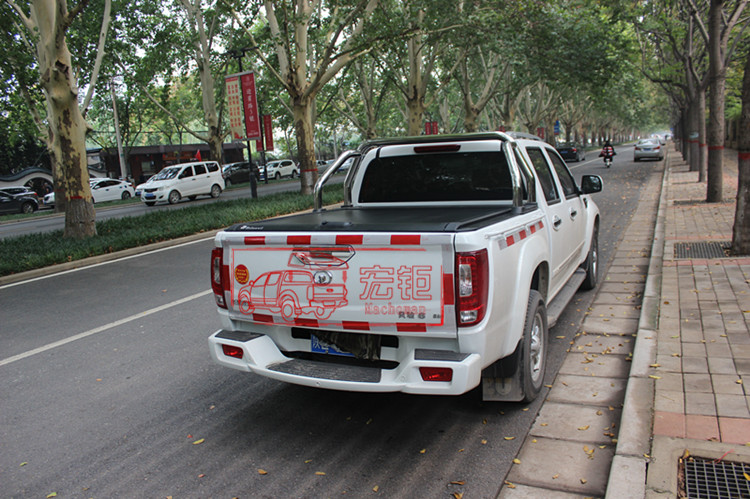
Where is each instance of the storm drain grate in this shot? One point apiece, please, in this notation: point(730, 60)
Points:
point(705, 249)
point(706, 478)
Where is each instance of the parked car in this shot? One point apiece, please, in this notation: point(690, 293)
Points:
point(648, 149)
point(110, 189)
point(139, 187)
point(281, 168)
point(571, 151)
point(185, 180)
point(18, 203)
point(238, 173)
point(19, 189)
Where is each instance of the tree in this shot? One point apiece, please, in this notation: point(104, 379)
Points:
point(46, 24)
point(741, 229)
point(311, 44)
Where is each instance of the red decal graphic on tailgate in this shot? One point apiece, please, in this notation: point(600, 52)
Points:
point(408, 327)
point(362, 326)
point(254, 240)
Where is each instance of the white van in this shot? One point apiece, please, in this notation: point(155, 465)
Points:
point(185, 180)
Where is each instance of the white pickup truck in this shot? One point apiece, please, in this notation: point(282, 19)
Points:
point(444, 268)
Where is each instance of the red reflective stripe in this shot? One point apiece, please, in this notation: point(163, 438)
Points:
point(349, 239)
point(250, 240)
point(699, 145)
point(744, 156)
point(363, 326)
point(298, 239)
point(263, 318)
point(523, 234)
point(448, 295)
point(405, 239)
point(715, 148)
point(76, 197)
point(300, 321)
point(408, 327)
point(310, 170)
point(510, 241)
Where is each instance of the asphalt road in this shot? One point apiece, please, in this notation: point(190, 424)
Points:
point(57, 221)
point(108, 390)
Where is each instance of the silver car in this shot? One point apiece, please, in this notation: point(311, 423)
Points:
point(648, 149)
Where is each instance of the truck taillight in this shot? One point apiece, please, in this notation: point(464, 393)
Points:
point(219, 276)
point(436, 373)
point(232, 351)
point(471, 283)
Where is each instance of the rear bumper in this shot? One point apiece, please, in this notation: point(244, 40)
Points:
point(262, 356)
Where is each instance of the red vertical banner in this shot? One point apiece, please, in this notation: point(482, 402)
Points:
point(428, 128)
point(268, 131)
point(234, 106)
point(250, 105)
point(435, 128)
point(501, 128)
point(540, 132)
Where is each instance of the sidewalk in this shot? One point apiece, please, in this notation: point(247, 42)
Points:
point(702, 351)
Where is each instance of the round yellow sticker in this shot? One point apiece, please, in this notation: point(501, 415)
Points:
point(241, 274)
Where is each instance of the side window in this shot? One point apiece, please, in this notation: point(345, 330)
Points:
point(273, 279)
point(524, 175)
point(212, 167)
point(566, 179)
point(544, 173)
point(187, 172)
point(200, 168)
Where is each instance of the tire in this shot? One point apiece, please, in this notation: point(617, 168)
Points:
point(636, 159)
point(215, 191)
point(287, 309)
point(591, 264)
point(28, 208)
point(533, 361)
point(125, 195)
point(150, 203)
point(174, 197)
point(278, 176)
point(294, 173)
point(227, 182)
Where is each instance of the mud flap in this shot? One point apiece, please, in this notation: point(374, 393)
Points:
point(501, 382)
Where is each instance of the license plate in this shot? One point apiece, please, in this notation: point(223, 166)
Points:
point(319, 346)
point(150, 196)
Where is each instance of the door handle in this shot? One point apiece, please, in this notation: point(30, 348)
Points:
point(556, 222)
point(573, 214)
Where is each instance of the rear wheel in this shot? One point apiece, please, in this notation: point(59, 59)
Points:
point(591, 265)
point(533, 362)
point(125, 195)
point(174, 197)
point(28, 208)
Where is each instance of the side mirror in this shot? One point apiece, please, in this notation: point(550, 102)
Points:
point(591, 184)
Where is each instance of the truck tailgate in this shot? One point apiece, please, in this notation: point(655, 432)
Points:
point(381, 282)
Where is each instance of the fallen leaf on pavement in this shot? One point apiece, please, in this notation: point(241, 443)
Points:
point(200, 441)
point(262, 472)
point(516, 461)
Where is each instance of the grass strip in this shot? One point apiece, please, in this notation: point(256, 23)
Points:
point(34, 251)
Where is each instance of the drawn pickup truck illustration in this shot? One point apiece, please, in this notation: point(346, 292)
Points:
point(291, 293)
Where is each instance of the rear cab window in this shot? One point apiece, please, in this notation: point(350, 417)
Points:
point(477, 171)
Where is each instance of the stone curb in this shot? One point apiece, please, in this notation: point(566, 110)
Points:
point(627, 474)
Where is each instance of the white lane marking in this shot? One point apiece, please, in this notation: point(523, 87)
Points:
point(100, 329)
point(63, 272)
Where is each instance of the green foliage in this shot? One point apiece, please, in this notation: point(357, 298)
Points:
point(40, 250)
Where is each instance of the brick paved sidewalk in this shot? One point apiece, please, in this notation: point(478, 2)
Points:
point(701, 401)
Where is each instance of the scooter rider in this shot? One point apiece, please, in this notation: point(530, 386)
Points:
point(608, 152)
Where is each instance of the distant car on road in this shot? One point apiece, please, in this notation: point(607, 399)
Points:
point(648, 149)
point(19, 189)
point(184, 180)
point(281, 168)
point(238, 173)
point(110, 189)
point(571, 151)
point(18, 203)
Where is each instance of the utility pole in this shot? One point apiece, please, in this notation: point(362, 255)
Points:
point(123, 169)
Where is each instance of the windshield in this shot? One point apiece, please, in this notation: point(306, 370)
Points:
point(166, 173)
